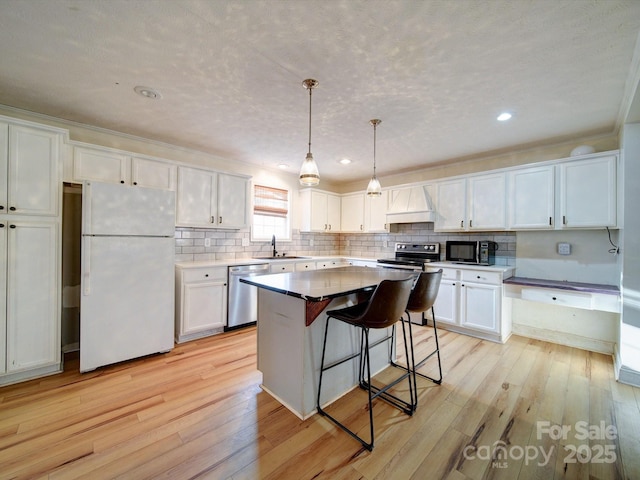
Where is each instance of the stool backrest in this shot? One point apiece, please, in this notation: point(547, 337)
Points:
point(425, 291)
point(387, 304)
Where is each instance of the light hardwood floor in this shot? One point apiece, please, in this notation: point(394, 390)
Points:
point(199, 412)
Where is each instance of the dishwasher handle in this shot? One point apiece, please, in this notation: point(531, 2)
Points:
point(249, 269)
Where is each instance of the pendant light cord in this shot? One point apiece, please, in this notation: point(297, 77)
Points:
point(310, 90)
point(375, 125)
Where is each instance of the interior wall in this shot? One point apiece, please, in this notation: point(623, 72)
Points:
point(590, 261)
point(71, 268)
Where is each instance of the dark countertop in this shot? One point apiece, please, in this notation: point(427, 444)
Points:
point(561, 285)
point(321, 285)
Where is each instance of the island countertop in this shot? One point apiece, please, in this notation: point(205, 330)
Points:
point(322, 285)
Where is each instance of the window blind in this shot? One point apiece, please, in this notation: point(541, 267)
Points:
point(270, 201)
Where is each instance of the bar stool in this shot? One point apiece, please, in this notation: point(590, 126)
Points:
point(421, 300)
point(384, 309)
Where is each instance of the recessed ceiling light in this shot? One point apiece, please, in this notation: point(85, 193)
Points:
point(147, 92)
point(283, 166)
point(345, 161)
point(504, 116)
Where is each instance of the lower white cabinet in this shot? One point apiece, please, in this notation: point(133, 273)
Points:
point(29, 299)
point(201, 301)
point(470, 301)
point(282, 267)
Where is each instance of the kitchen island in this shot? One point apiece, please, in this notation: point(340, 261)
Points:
point(291, 323)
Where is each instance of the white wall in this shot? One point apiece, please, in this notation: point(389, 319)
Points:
point(590, 260)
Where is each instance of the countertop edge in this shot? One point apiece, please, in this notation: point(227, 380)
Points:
point(561, 285)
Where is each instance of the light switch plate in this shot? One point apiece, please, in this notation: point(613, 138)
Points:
point(245, 241)
point(564, 248)
point(207, 242)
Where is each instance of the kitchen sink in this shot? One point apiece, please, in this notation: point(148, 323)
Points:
point(286, 257)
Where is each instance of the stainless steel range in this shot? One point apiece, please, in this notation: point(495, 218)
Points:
point(412, 256)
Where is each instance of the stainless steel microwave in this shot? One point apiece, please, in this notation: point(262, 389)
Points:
point(475, 252)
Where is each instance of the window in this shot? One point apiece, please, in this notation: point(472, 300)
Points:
point(270, 213)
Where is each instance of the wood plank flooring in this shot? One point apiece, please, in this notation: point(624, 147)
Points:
point(199, 412)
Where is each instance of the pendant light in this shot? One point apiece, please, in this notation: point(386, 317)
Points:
point(309, 175)
point(374, 189)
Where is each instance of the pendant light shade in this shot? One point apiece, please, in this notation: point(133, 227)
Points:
point(309, 175)
point(374, 189)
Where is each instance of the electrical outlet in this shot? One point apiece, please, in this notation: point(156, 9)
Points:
point(564, 248)
point(207, 242)
point(311, 242)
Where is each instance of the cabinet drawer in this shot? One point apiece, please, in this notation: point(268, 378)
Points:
point(493, 278)
point(447, 273)
point(558, 297)
point(204, 274)
point(302, 266)
point(277, 267)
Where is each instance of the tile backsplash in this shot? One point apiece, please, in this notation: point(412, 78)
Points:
point(228, 244)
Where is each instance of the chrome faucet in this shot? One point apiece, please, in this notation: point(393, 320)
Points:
point(273, 244)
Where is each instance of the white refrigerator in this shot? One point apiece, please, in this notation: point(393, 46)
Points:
point(127, 283)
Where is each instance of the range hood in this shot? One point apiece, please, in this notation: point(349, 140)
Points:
point(411, 205)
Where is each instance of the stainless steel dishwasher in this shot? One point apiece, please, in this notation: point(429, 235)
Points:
point(243, 299)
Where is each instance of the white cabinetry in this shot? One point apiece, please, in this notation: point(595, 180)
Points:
point(30, 253)
point(201, 301)
point(588, 193)
point(352, 218)
point(210, 199)
point(473, 203)
point(29, 171)
point(320, 211)
point(375, 213)
point(470, 301)
point(114, 166)
point(531, 198)
point(281, 267)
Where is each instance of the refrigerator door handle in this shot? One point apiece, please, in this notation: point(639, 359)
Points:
point(86, 266)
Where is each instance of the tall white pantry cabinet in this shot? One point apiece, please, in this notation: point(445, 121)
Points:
point(30, 253)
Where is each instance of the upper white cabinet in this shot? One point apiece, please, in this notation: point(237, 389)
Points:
point(531, 198)
point(451, 205)
point(30, 174)
point(211, 200)
point(588, 193)
point(320, 211)
point(375, 213)
point(106, 165)
point(473, 203)
point(352, 208)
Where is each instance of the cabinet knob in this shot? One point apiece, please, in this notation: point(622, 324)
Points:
point(135, 183)
point(13, 209)
point(1, 207)
point(553, 298)
point(206, 274)
point(121, 181)
point(1, 225)
point(12, 226)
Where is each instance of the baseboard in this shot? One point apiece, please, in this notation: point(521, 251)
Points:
point(563, 338)
point(629, 376)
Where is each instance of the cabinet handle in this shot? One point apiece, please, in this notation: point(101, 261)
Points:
point(220, 220)
point(564, 220)
point(461, 223)
point(12, 226)
point(325, 226)
point(13, 209)
point(329, 226)
point(361, 228)
point(385, 226)
point(213, 219)
point(470, 223)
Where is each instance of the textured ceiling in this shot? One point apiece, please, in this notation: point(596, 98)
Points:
point(436, 72)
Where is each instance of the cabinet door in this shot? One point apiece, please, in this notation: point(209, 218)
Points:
point(233, 201)
point(204, 306)
point(4, 165)
point(451, 205)
point(3, 296)
point(318, 212)
point(282, 267)
point(195, 199)
point(352, 213)
point(147, 172)
point(487, 202)
point(34, 172)
point(445, 307)
point(588, 193)
point(100, 165)
point(480, 306)
point(531, 198)
point(333, 213)
point(32, 295)
point(375, 216)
